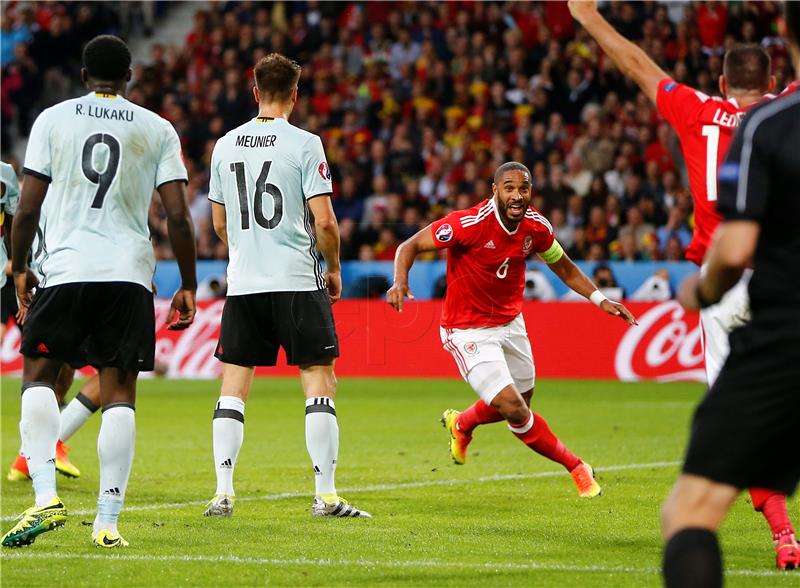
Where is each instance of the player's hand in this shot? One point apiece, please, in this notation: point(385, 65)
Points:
point(24, 282)
point(617, 309)
point(397, 294)
point(334, 282)
point(183, 305)
point(687, 293)
point(582, 9)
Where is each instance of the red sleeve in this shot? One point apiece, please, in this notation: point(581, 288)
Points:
point(678, 103)
point(447, 231)
point(541, 230)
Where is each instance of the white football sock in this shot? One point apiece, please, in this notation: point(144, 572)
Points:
point(322, 442)
point(115, 445)
point(228, 426)
point(75, 415)
point(38, 427)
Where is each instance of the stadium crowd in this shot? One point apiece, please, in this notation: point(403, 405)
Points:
point(417, 103)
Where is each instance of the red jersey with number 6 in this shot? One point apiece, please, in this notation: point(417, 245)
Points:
point(486, 263)
point(705, 126)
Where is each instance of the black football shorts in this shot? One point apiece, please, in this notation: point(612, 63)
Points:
point(746, 428)
point(102, 324)
point(255, 326)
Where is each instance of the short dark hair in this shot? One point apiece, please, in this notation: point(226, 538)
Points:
point(510, 166)
point(747, 67)
point(276, 76)
point(792, 17)
point(107, 58)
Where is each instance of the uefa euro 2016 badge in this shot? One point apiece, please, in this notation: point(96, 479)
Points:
point(324, 170)
point(471, 348)
point(444, 233)
point(526, 246)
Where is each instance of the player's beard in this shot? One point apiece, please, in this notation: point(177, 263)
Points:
point(504, 212)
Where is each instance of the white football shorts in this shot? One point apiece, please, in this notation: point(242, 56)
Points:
point(491, 358)
point(719, 320)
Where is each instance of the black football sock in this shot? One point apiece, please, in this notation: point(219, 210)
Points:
point(692, 559)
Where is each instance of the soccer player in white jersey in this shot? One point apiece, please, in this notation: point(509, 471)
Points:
point(79, 410)
point(268, 180)
point(97, 159)
point(9, 196)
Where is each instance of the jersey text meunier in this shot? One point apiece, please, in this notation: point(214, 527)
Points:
point(255, 141)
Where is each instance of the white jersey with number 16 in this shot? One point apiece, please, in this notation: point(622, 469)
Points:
point(264, 172)
point(103, 157)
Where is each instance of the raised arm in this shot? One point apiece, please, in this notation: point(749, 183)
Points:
point(403, 260)
point(628, 56)
point(181, 238)
point(572, 276)
point(327, 231)
point(23, 231)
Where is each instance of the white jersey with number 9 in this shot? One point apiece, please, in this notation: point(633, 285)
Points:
point(103, 157)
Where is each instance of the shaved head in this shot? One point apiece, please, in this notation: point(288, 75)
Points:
point(510, 166)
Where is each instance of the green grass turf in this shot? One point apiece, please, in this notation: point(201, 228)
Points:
point(523, 530)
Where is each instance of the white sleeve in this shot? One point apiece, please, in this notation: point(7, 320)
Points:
point(11, 197)
point(315, 170)
point(215, 181)
point(38, 160)
point(170, 164)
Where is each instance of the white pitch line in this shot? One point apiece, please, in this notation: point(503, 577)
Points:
point(363, 563)
point(380, 487)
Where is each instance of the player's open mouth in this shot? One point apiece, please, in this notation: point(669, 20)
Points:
point(516, 208)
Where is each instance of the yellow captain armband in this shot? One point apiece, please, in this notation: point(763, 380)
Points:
point(553, 254)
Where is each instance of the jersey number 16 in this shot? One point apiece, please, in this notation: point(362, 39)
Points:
point(262, 187)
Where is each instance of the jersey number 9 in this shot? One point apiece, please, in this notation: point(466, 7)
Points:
point(104, 178)
point(262, 187)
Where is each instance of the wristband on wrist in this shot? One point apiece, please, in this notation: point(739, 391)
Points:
point(597, 297)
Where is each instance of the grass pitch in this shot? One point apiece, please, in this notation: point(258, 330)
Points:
point(507, 518)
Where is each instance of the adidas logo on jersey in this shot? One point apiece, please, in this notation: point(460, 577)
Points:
point(489, 245)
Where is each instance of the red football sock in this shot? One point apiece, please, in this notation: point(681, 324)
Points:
point(773, 506)
point(479, 413)
point(541, 439)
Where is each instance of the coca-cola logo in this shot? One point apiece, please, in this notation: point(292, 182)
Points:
point(665, 346)
point(190, 353)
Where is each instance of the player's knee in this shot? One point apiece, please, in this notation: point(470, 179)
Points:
point(512, 407)
point(668, 510)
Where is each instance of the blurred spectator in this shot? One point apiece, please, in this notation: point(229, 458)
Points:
point(212, 287)
point(654, 289)
point(675, 227)
point(537, 286)
point(416, 108)
point(636, 227)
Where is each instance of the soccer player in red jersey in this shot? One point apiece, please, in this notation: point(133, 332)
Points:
point(482, 325)
point(706, 126)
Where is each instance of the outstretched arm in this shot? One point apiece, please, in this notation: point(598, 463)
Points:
point(403, 260)
point(628, 56)
point(572, 276)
